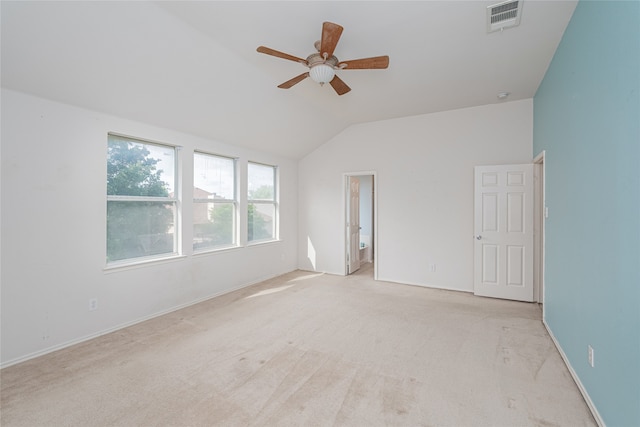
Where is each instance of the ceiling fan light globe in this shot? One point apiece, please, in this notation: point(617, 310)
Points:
point(322, 73)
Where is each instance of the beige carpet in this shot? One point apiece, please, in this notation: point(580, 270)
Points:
point(309, 349)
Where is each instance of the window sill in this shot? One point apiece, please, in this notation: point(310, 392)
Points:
point(112, 268)
point(263, 242)
point(216, 250)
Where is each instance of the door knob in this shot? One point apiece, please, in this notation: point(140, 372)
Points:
point(478, 237)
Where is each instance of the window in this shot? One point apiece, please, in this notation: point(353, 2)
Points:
point(141, 203)
point(262, 205)
point(214, 202)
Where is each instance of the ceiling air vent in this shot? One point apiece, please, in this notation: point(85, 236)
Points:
point(503, 15)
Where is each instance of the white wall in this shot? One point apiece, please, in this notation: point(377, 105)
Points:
point(424, 172)
point(53, 231)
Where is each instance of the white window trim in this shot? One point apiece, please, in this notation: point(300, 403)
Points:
point(236, 208)
point(126, 263)
point(274, 202)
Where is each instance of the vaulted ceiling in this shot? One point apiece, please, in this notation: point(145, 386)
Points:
point(193, 66)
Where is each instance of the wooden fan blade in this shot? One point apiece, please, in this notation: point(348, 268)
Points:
point(330, 35)
point(339, 86)
point(293, 81)
point(269, 51)
point(374, 63)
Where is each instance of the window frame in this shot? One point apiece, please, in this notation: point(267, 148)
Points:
point(174, 201)
point(275, 202)
point(233, 202)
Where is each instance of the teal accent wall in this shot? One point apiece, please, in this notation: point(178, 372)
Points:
point(587, 119)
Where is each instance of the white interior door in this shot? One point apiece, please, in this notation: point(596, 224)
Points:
point(353, 224)
point(503, 227)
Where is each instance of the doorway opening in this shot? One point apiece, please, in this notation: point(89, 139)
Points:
point(360, 222)
point(539, 217)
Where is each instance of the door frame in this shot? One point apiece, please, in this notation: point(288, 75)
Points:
point(539, 218)
point(346, 199)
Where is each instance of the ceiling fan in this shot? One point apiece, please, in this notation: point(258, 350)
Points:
point(323, 64)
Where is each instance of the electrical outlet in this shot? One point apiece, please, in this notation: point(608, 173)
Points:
point(93, 304)
point(590, 355)
point(432, 268)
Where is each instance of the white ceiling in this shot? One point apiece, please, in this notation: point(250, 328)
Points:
point(193, 66)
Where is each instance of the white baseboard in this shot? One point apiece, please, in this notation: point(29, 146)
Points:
point(127, 324)
point(423, 285)
point(583, 391)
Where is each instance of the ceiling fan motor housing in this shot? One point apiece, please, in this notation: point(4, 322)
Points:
point(316, 59)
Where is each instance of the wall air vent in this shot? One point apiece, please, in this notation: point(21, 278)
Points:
point(503, 15)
